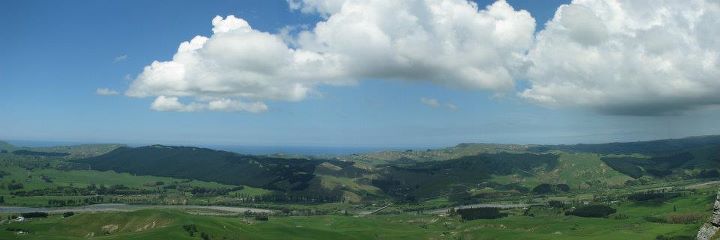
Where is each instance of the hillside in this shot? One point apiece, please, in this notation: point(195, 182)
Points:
point(458, 151)
point(74, 151)
point(428, 179)
point(655, 147)
point(4, 146)
point(665, 191)
point(211, 165)
point(479, 170)
point(80, 151)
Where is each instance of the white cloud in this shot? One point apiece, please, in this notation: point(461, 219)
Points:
point(638, 57)
point(641, 57)
point(229, 105)
point(237, 62)
point(105, 92)
point(120, 58)
point(451, 43)
point(430, 102)
point(434, 103)
point(173, 104)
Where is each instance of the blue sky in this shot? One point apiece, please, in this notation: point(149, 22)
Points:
point(54, 56)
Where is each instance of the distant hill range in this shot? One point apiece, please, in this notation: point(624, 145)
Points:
point(4, 146)
point(480, 169)
point(655, 147)
point(74, 151)
point(210, 165)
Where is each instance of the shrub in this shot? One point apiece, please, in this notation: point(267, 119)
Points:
point(204, 236)
point(556, 204)
point(598, 211)
point(34, 215)
point(685, 218)
point(542, 189)
point(712, 173)
point(654, 219)
point(652, 196)
point(480, 213)
point(68, 214)
point(620, 216)
point(550, 188)
point(262, 217)
point(14, 186)
point(191, 229)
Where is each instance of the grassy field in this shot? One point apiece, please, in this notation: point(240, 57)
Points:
point(591, 181)
point(581, 171)
point(632, 221)
point(36, 179)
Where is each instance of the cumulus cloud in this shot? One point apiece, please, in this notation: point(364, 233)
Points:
point(166, 104)
point(452, 43)
point(120, 58)
point(105, 92)
point(643, 57)
point(173, 104)
point(434, 103)
point(229, 105)
point(236, 62)
point(639, 57)
point(430, 102)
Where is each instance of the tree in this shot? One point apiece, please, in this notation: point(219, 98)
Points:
point(598, 211)
point(35, 215)
point(480, 213)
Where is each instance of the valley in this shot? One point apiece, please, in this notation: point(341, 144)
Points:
point(641, 190)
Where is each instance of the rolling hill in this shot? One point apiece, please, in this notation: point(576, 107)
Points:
point(281, 174)
point(654, 148)
point(4, 146)
point(477, 168)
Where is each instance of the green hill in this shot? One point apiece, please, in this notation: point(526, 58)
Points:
point(656, 147)
point(428, 179)
point(80, 151)
point(455, 152)
point(210, 165)
point(74, 151)
point(480, 169)
point(4, 146)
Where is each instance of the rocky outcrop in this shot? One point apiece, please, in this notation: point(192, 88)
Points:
point(709, 229)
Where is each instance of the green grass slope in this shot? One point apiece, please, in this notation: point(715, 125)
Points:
point(430, 179)
point(632, 221)
point(581, 171)
point(656, 147)
point(4, 146)
point(211, 165)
